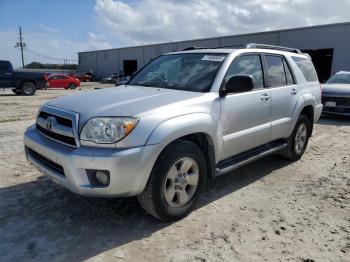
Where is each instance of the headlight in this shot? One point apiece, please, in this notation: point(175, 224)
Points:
point(107, 130)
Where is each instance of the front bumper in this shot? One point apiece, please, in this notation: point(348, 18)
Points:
point(338, 110)
point(129, 168)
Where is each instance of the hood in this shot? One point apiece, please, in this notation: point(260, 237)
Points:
point(120, 101)
point(336, 88)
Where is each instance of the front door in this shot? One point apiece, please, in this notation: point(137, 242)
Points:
point(5, 74)
point(245, 117)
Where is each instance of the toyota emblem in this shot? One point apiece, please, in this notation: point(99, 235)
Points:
point(49, 122)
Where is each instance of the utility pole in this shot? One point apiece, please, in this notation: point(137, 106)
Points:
point(21, 44)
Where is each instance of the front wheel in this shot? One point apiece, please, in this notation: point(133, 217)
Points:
point(299, 139)
point(72, 86)
point(28, 89)
point(177, 180)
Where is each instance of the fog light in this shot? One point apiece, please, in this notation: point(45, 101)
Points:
point(98, 178)
point(102, 177)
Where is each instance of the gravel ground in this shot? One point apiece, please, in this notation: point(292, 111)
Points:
point(271, 210)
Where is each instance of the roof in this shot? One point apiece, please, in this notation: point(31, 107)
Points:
point(227, 36)
point(343, 72)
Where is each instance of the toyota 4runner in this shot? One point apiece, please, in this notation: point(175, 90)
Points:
point(185, 117)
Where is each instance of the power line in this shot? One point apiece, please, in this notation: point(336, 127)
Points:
point(21, 44)
point(49, 57)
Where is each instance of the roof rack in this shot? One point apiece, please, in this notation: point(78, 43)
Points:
point(273, 47)
point(195, 48)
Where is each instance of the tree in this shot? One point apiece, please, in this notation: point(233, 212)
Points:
point(34, 65)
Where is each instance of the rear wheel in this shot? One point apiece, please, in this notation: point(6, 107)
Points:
point(72, 86)
point(28, 89)
point(299, 139)
point(177, 180)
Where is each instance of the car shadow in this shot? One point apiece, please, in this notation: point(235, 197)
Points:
point(334, 120)
point(8, 94)
point(42, 221)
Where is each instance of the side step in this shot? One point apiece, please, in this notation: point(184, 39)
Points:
point(247, 157)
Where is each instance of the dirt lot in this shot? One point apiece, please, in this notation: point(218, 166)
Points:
point(272, 210)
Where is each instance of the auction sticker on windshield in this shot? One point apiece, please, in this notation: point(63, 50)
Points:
point(214, 58)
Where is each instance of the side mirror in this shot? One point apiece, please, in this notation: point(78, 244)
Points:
point(237, 84)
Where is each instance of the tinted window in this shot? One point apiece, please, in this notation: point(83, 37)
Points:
point(187, 71)
point(307, 68)
point(247, 65)
point(275, 71)
point(290, 80)
point(4, 67)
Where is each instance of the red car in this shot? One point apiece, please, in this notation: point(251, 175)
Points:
point(63, 81)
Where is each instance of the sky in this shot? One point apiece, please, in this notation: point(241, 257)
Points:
point(55, 30)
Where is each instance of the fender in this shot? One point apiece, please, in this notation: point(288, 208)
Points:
point(304, 100)
point(174, 128)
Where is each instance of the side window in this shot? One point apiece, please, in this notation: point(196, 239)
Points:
point(290, 80)
point(275, 71)
point(307, 68)
point(4, 67)
point(247, 65)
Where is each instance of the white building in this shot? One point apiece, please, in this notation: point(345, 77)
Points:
point(328, 45)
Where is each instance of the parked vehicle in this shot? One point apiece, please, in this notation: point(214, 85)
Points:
point(122, 80)
point(85, 77)
point(21, 83)
point(63, 81)
point(336, 94)
point(185, 117)
point(113, 79)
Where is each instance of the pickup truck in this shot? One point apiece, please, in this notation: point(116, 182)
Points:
point(22, 83)
point(185, 117)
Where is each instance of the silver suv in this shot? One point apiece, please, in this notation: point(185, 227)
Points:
point(183, 118)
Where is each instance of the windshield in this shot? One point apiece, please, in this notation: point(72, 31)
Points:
point(339, 79)
point(189, 72)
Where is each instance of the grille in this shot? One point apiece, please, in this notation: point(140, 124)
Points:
point(65, 139)
point(56, 127)
point(341, 101)
point(45, 161)
point(61, 120)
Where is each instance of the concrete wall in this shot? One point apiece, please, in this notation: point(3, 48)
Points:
point(336, 36)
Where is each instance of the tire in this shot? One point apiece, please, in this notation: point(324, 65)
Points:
point(28, 89)
point(295, 151)
point(16, 91)
point(72, 86)
point(165, 178)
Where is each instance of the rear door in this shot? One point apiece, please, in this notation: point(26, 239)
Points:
point(245, 117)
point(285, 94)
point(6, 76)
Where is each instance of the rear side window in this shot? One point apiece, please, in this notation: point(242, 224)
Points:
point(275, 71)
point(307, 68)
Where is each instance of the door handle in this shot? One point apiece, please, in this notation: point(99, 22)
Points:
point(265, 97)
point(8, 74)
point(293, 92)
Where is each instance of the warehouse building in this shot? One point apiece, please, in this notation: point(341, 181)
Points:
point(328, 45)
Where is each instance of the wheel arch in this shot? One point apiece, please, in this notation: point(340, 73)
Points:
point(305, 105)
point(196, 128)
